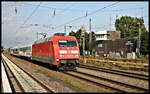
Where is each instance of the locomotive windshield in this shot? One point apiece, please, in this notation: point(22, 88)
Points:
point(67, 43)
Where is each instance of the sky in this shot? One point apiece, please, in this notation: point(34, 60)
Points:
point(22, 20)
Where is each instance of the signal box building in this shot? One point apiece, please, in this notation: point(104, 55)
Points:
point(108, 43)
point(107, 35)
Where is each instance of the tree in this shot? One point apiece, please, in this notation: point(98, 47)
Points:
point(80, 41)
point(72, 33)
point(144, 43)
point(129, 27)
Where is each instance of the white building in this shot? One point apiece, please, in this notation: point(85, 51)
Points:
point(101, 35)
point(107, 35)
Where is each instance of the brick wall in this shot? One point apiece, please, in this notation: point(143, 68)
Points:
point(113, 35)
point(115, 46)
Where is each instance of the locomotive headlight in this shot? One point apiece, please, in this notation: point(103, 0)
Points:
point(63, 52)
point(57, 59)
point(74, 51)
point(61, 55)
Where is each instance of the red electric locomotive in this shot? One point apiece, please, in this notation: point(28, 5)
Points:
point(59, 51)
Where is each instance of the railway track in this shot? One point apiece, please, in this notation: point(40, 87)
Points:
point(93, 82)
point(106, 83)
point(25, 81)
point(123, 73)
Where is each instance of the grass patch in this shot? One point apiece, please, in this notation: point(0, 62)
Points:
point(45, 73)
point(118, 65)
point(38, 70)
point(52, 76)
point(78, 85)
point(124, 67)
point(139, 60)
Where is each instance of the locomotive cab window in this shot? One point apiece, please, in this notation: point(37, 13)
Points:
point(71, 43)
point(67, 43)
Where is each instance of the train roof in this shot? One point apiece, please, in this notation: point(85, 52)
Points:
point(21, 46)
point(43, 40)
point(48, 39)
point(59, 34)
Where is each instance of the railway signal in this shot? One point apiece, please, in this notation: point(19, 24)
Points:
point(82, 31)
point(83, 37)
point(90, 35)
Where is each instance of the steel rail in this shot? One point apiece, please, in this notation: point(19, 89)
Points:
point(112, 81)
point(45, 87)
point(129, 74)
point(35, 79)
point(20, 86)
point(96, 83)
point(4, 70)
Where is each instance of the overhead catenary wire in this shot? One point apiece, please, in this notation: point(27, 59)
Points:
point(106, 10)
point(30, 15)
point(88, 10)
point(57, 8)
point(58, 14)
point(87, 15)
point(67, 8)
point(77, 10)
point(97, 11)
point(92, 12)
point(130, 9)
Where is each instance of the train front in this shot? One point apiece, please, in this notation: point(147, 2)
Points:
point(68, 52)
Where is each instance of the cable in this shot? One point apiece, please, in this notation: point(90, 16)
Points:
point(30, 15)
point(62, 11)
point(87, 15)
point(125, 9)
point(76, 9)
point(67, 8)
point(58, 8)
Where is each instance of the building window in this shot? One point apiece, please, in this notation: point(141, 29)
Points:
point(101, 36)
point(100, 45)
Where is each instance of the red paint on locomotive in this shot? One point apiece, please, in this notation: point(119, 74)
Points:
point(56, 49)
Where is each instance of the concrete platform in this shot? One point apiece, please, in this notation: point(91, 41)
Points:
point(5, 85)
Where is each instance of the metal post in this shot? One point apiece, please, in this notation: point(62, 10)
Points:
point(65, 29)
point(80, 40)
point(83, 46)
point(139, 40)
point(37, 36)
point(90, 35)
point(83, 36)
point(110, 22)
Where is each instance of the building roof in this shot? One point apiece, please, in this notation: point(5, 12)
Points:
point(101, 32)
